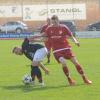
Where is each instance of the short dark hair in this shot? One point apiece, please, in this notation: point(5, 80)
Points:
point(54, 17)
point(14, 49)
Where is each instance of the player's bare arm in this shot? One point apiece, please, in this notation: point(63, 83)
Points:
point(75, 40)
point(38, 38)
point(44, 68)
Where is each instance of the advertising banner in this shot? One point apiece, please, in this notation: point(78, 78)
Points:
point(16, 36)
point(88, 34)
point(41, 12)
point(63, 11)
point(11, 11)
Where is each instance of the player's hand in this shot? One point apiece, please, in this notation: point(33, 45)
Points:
point(78, 44)
point(46, 71)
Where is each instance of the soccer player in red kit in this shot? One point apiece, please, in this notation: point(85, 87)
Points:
point(48, 42)
point(58, 34)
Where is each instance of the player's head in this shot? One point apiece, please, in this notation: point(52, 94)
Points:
point(17, 51)
point(55, 20)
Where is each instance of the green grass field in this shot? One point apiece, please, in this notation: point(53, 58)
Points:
point(12, 69)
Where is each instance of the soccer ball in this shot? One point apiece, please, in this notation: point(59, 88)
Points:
point(27, 79)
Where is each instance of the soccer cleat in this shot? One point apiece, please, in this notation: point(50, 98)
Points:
point(32, 83)
point(86, 81)
point(71, 81)
point(41, 84)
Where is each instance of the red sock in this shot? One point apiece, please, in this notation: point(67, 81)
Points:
point(66, 71)
point(79, 69)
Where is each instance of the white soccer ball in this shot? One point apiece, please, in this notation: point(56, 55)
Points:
point(27, 79)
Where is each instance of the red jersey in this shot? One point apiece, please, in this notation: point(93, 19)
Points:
point(48, 42)
point(58, 36)
point(44, 28)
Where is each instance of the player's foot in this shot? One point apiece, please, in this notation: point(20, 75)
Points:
point(32, 83)
point(71, 81)
point(41, 84)
point(48, 61)
point(86, 81)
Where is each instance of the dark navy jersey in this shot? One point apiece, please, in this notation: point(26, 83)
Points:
point(30, 49)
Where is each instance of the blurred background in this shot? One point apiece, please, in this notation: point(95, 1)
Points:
point(27, 16)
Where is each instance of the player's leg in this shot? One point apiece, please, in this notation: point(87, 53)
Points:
point(66, 71)
point(38, 57)
point(36, 72)
point(44, 68)
point(60, 59)
point(48, 57)
point(80, 70)
point(32, 73)
point(48, 46)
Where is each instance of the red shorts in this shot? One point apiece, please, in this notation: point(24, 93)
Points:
point(67, 54)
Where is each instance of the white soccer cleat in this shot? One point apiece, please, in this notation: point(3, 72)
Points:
point(41, 84)
point(32, 83)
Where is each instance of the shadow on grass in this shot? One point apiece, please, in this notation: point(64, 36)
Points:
point(29, 88)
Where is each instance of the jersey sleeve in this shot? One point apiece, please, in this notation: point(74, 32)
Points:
point(67, 31)
point(43, 29)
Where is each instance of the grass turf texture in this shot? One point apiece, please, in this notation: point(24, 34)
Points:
point(13, 67)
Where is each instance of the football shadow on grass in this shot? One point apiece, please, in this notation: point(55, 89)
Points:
point(29, 88)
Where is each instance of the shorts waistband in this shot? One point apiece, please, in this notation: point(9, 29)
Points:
point(60, 50)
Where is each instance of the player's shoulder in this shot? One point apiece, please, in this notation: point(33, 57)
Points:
point(49, 27)
point(45, 25)
point(62, 25)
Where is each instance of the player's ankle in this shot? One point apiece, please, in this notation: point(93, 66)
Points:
point(68, 76)
point(40, 81)
point(83, 76)
point(48, 61)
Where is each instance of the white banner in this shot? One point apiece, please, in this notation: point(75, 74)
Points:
point(10, 11)
point(41, 12)
point(63, 11)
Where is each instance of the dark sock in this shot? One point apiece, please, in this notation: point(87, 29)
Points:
point(36, 72)
point(32, 73)
point(39, 75)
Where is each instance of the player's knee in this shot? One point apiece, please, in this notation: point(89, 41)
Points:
point(62, 61)
point(74, 61)
point(35, 63)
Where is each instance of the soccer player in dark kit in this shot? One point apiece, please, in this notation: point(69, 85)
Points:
point(36, 53)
